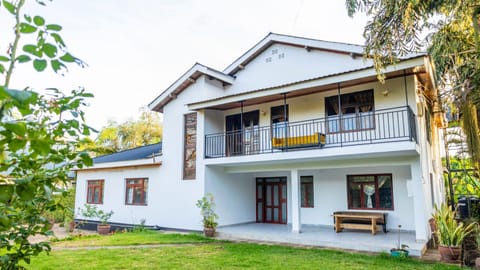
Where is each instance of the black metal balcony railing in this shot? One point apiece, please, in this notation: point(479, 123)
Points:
point(381, 126)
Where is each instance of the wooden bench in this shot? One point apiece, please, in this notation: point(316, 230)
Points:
point(360, 221)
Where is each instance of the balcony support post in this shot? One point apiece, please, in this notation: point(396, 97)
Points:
point(295, 183)
point(340, 114)
point(285, 119)
point(405, 86)
point(241, 127)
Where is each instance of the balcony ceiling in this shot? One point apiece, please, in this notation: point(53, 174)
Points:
point(323, 88)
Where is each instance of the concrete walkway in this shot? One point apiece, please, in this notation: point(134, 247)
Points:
point(319, 236)
point(59, 233)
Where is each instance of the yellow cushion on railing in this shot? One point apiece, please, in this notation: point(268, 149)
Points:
point(315, 139)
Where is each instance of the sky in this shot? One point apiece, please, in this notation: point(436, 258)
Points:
point(135, 49)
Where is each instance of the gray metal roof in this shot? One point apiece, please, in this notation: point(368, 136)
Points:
point(131, 154)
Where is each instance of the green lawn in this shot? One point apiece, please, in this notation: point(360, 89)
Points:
point(132, 238)
point(214, 255)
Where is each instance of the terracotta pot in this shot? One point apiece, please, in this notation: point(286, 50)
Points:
point(103, 229)
point(449, 254)
point(71, 226)
point(209, 232)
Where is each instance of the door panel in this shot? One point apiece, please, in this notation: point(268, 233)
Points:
point(272, 200)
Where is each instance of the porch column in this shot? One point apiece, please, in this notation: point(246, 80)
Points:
point(419, 209)
point(295, 180)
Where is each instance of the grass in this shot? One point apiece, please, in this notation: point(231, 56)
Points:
point(132, 238)
point(215, 255)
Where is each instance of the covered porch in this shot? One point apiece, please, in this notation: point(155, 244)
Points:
point(301, 197)
point(322, 236)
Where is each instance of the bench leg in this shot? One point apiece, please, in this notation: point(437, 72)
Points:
point(338, 221)
point(374, 226)
point(384, 227)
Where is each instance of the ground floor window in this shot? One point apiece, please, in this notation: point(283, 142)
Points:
point(95, 191)
point(306, 189)
point(136, 191)
point(370, 192)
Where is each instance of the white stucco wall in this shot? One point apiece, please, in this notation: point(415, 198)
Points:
point(234, 195)
point(290, 64)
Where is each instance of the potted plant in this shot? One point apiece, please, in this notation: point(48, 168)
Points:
point(92, 211)
point(401, 249)
point(450, 233)
point(209, 218)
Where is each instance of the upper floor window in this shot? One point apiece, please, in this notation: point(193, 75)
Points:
point(95, 191)
point(136, 191)
point(370, 192)
point(354, 111)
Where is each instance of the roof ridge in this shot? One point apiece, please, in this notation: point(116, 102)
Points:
point(315, 39)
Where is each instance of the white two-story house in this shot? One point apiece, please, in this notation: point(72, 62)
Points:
point(292, 131)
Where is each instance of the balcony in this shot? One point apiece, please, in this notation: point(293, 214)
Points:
point(381, 126)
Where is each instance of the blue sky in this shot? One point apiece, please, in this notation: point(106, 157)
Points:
point(136, 48)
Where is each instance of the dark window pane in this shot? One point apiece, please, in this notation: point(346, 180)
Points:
point(385, 191)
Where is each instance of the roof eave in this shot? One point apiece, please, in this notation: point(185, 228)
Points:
point(188, 78)
point(123, 164)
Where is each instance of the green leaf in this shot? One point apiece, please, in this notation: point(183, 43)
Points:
point(23, 58)
point(16, 144)
point(22, 96)
point(41, 146)
point(57, 65)
point(87, 160)
point(26, 192)
point(54, 27)
point(40, 64)
point(39, 21)
point(27, 28)
point(6, 192)
point(68, 58)
point(32, 49)
point(9, 6)
point(58, 39)
point(18, 128)
point(5, 223)
point(49, 49)
point(2, 69)
point(27, 18)
point(4, 58)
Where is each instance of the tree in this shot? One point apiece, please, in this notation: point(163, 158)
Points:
point(114, 137)
point(39, 135)
point(448, 30)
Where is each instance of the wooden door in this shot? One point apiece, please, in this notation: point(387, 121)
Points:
point(272, 200)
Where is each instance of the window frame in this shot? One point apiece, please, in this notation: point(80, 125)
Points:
point(377, 193)
point(134, 186)
point(91, 184)
point(341, 119)
point(309, 186)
